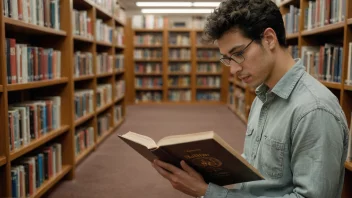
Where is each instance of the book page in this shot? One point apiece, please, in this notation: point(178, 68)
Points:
point(192, 137)
point(140, 139)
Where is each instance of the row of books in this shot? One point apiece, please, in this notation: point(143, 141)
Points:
point(83, 62)
point(119, 62)
point(45, 13)
point(147, 68)
point(120, 13)
point(148, 39)
point(211, 81)
point(84, 139)
point(349, 66)
point(180, 67)
point(104, 94)
point(119, 35)
point(179, 54)
point(198, 22)
point(293, 50)
point(26, 63)
point(148, 96)
point(240, 102)
point(30, 172)
point(107, 5)
point(323, 62)
point(147, 22)
point(209, 67)
point(208, 54)
point(207, 96)
point(120, 87)
point(104, 63)
point(323, 12)
point(180, 81)
point(82, 24)
point(118, 114)
point(148, 82)
point(83, 100)
point(30, 120)
point(179, 39)
point(291, 20)
point(147, 54)
point(103, 32)
point(103, 124)
point(179, 95)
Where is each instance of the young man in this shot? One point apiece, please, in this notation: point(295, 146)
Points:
point(297, 133)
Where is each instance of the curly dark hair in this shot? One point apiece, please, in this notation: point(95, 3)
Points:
point(251, 17)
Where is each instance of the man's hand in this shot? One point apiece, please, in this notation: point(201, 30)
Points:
point(187, 180)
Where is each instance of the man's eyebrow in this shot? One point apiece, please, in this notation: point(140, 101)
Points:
point(233, 49)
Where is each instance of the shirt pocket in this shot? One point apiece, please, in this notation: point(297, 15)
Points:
point(248, 142)
point(272, 157)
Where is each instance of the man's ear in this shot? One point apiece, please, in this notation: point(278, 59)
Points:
point(270, 38)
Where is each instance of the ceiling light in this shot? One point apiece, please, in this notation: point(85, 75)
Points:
point(164, 4)
point(206, 4)
point(172, 11)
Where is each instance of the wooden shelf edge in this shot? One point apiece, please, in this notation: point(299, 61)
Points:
point(118, 72)
point(1, 88)
point(148, 46)
point(84, 153)
point(148, 74)
point(85, 77)
point(84, 118)
point(179, 46)
point(105, 75)
point(103, 43)
point(231, 107)
point(2, 160)
point(207, 47)
point(82, 38)
point(118, 99)
point(292, 36)
point(119, 21)
point(179, 73)
point(209, 73)
point(347, 87)
point(103, 108)
point(207, 60)
point(52, 181)
point(148, 60)
point(286, 2)
point(180, 60)
point(36, 84)
point(332, 85)
point(120, 46)
point(181, 103)
point(348, 165)
point(37, 28)
point(38, 142)
point(147, 30)
point(323, 29)
point(149, 89)
point(349, 21)
point(110, 131)
point(207, 87)
point(179, 87)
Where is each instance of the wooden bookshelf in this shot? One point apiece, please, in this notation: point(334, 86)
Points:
point(348, 87)
point(148, 46)
point(331, 28)
point(84, 153)
point(348, 165)
point(65, 41)
point(109, 132)
point(292, 36)
point(104, 107)
point(207, 47)
point(148, 30)
point(148, 74)
point(38, 142)
point(349, 21)
point(179, 74)
point(209, 73)
point(332, 85)
point(52, 181)
point(36, 84)
point(2, 160)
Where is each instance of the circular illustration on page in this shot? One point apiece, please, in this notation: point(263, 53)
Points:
point(207, 162)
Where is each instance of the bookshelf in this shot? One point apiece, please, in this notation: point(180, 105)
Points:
point(67, 73)
point(339, 34)
point(172, 66)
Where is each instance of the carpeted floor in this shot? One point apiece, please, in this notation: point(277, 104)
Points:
point(115, 170)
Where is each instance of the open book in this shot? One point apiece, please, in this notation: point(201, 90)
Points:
point(206, 152)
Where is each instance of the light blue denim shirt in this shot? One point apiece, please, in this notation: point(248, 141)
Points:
point(297, 137)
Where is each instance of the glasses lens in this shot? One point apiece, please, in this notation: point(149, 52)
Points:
point(225, 61)
point(238, 59)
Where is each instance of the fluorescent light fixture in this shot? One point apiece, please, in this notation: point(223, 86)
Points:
point(206, 4)
point(177, 11)
point(164, 4)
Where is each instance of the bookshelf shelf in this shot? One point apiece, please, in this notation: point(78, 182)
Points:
point(348, 165)
point(179, 73)
point(292, 36)
point(332, 85)
point(148, 46)
point(207, 87)
point(102, 13)
point(83, 39)
point(52, 181)
point(84, 118)
point(148, 30)
point(120, 47)
point(331, 28)
point(209, 102)
point(36, 84)
point(149, 89)
point(148, 60)
point(289, 2)
point(208, 60)
point(348, 87)
point(119, 22)
point(84, 153)
point(349, 21)
point(179, 46)
point(207, 47)
point(104, 75)
point(20, 26)
point(119, 72)
point(179, 30)
point(179, 87)
point(38, 142)
point(104, 107)
point(86, 77)
point(148, 74)
point(103, 43)
point(118, 99)
point(209, 73)
point(2, 160)
point(179, 60)
point(105, 135)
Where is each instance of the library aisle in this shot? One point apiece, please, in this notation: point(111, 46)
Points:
point(115, 170)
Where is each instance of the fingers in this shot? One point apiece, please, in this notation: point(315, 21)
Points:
point(166, 166)
point(190, 170)
point(162, 172)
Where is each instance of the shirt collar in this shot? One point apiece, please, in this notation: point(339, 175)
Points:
point(284, 87)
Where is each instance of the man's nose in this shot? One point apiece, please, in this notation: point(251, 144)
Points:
point(235, 67)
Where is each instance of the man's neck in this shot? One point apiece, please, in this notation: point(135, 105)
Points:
point(282, 64)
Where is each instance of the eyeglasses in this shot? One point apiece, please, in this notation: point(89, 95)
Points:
point(237, 57)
